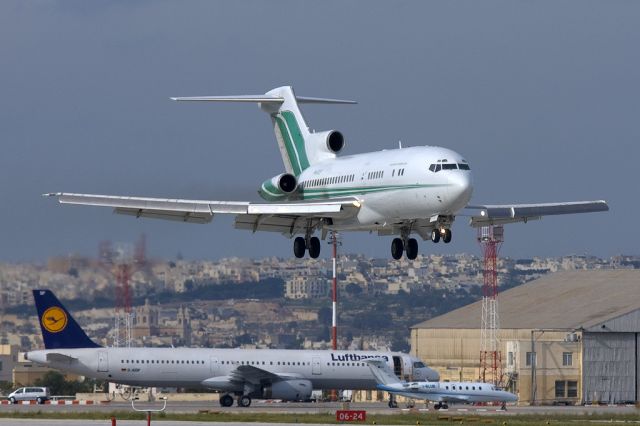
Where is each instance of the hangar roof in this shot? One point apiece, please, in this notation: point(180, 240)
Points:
point(564, 300)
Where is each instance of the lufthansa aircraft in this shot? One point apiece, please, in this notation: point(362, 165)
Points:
point(440, 392)
point(396, 192)
point(245, 373)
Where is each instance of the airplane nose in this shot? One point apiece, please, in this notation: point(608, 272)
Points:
point(461, 187)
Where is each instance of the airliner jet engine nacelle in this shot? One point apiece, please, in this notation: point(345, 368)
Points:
point(332, 140)
point(279, 187)
point(290, 390)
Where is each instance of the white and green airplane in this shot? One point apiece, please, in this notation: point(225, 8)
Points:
point(397, 192)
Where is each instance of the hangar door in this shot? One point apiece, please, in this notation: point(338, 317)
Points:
point(609, 367)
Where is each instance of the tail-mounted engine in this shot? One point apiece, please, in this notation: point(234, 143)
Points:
point(279, 187)
point(332, 140)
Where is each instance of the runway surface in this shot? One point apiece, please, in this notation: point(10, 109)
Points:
point(372, 408)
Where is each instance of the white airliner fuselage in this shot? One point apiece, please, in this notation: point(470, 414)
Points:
point(256, 372)
point(391, 185)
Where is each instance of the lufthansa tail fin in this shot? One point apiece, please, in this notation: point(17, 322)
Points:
point(382, 372)
point(299, 146)
point(59, 329)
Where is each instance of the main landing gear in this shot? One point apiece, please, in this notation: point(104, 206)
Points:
point(409, 246)
point(398, 246)
point(301, 244)
point(226, 400)
point(441, 405)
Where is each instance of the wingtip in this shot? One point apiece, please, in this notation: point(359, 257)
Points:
point(52, 194)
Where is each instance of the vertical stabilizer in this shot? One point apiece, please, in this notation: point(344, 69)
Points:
point(59, 329)
point(299, 147)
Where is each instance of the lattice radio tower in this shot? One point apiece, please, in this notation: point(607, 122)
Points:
point(490, 238)
point(123, 261)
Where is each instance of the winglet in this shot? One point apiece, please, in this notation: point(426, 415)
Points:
point(382, 372)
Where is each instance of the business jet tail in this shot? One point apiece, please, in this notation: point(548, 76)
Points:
point(382, 372)
point(59, 329)
point(299, 146)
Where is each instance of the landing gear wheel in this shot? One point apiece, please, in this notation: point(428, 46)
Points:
point(447, 236)
point(412, 248)
point(299, 247)
point(393, 404)
point(445, 406)
point(226, 400)
point(244, 401)
point(314, 247)
point(435, 235)
point(437, 406)
point(397, 248)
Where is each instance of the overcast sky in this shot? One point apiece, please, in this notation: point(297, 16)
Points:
point(542, 98)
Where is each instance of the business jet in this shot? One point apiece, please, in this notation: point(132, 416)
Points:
point(395, 192)
point(440, 392)
point(243, 373)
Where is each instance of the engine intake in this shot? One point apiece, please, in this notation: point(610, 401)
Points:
point(278, 187)
point(335, 141)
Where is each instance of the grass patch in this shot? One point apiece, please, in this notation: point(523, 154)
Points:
point(330, 418)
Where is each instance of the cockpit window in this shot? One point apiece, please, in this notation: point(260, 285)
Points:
point(449, 166)
point(418, 365)
point(463, 166)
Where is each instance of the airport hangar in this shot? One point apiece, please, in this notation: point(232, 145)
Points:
point(575, 333)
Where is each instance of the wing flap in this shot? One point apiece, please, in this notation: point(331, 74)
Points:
point(510, 213)
point(178, 216)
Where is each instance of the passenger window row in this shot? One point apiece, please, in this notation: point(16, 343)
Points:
point(347, 364)
point(375, 175)
point(466, 387)
point(161, 361)
point(312, 183)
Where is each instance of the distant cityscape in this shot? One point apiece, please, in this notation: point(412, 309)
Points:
point(268, 303)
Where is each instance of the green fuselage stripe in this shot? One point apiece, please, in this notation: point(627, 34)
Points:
point(309, 193)
point(298, 140)
point(293, 141)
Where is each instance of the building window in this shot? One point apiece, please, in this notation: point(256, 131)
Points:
point(560, 388)
point(531, 359)
point(510, 358)
point(567, 358)
point(572, 389)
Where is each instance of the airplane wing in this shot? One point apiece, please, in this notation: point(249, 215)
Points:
point(288, 218)
point(249, 373)
point(449, 398)
point(484, 215)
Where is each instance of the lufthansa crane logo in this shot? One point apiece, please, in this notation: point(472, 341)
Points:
point(54, 319)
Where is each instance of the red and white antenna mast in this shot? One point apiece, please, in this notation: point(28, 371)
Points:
point(490, 238)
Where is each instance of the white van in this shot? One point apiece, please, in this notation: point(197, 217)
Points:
point(29, 394)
